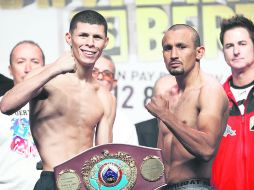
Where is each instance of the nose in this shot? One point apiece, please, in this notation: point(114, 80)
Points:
point(174, 53)
point(90, 41)
point(28, 67)
point(236, 50)
point(100, 76)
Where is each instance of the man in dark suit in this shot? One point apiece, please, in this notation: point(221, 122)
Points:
point(5, 84)
point(147, 132)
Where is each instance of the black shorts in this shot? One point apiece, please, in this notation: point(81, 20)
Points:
point(46, 181)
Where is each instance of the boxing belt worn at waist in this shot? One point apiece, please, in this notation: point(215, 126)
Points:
point(112, 166)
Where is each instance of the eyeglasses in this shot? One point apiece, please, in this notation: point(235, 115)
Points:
point(106, 74)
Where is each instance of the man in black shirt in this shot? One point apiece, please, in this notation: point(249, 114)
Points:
point(5, 84)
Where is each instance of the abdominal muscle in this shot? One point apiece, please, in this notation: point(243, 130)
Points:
point(62, 143)
point(179, 164)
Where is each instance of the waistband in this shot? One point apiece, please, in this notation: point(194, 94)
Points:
point(194, 182)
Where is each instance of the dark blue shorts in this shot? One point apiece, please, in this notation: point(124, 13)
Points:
point(46, 181)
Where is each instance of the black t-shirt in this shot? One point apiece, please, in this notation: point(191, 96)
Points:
point(5, 84)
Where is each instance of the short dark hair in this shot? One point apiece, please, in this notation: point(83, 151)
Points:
point(195, 33)
point(88, 16)
point(237, 21)
point(27, 42)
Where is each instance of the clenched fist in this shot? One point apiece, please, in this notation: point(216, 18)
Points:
point(66, 63)
point(157, 105)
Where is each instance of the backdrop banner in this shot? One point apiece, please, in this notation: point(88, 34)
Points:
point(135, 31)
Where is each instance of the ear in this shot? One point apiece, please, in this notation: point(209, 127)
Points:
point(68, 38)
point(10, 70)
point(200, 52)
point(106, 42)
point(223, 51)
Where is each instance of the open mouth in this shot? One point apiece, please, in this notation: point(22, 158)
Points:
point(88, 53)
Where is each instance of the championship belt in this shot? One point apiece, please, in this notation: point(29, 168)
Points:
point(114, 167)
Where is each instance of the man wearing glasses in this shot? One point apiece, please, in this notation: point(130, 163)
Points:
point(124, 130)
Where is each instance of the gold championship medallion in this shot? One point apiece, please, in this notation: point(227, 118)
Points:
point(152, 169)
point(68, 180)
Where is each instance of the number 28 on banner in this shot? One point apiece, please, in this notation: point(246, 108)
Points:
point(128, 95)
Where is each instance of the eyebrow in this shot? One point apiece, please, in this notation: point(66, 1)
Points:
point(103, 70)
point(240, 41)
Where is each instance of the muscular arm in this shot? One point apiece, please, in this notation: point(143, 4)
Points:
point(104, 129)
point(23, 92)
point(160, 136)
point(202, 140)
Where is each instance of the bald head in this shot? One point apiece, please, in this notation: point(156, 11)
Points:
point(105, 62)
point(195, 35)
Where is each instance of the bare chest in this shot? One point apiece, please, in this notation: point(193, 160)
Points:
point(73, 105)
point(185, 107)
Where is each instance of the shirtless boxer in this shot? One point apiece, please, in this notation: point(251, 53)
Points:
point(66, 102)
point(192, 113)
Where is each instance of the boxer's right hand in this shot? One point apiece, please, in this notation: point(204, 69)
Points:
point(157, 106)
point(66, 63)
